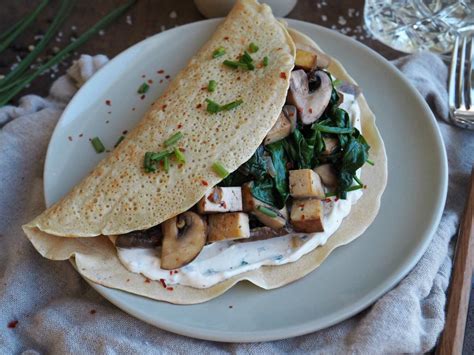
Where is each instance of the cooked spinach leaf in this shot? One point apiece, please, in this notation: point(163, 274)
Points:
point(279, 160)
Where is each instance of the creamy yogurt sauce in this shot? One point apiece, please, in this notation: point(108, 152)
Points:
point(222, 260)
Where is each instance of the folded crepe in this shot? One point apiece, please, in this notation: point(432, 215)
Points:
point(119, 196)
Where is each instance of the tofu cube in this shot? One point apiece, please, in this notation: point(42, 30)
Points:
point(228, 226)
point(305, 60)
point(307, 215)
point(221, 199)
point(280, 130)
point(305, 183)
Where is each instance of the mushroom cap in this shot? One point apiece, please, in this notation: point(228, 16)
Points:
point(184, 238)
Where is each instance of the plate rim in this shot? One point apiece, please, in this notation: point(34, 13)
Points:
point(314, 325)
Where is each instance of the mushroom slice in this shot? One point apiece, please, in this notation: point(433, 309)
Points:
point(184, 238)
point(280, 130)
point(148, 238)
point(327, 174)
point(310, 105)
point(265, 213)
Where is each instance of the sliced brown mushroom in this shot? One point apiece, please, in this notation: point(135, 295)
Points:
point(280, 130)
point(310, 105)
point(184, 238)
point(265, 213)
point(327, 174)
point(149, 238)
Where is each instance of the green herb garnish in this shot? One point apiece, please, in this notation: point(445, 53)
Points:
point(173, 139)
point(219, 169)
point(235, 65)
point(334, 130)
point(97, 144)
point(246, 58)
point(211, 87)
point(166, 164)
point(179, 155)
point(253, 47)
point(265, 61)
point(267, 211)
point(368, 161)
point(147, 163)
point(219, 52)
point(143, 88)
point(121, 138)
point(160, 155)
point(214, 107)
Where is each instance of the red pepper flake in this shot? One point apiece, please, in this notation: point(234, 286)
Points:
point(291, 114)
point(283, 75)
point(182, 150)
point(167, 77)
point(93, 311)
point(125, 132)
point(204, 182)
point(199, 106)
point(163, 107)
point(163, 283)
point(133, 109)
point(180, 126)
point(108, 102)
point(161, 81)
point(180, 166)
point(365, 186)
point(143, 76)
point(70, 138)
point(301, 205)
point(142, 97)
point(12, 324)
point(223, 204)
point(238, 78)
point(171, 272)
point(289, 165)
point(150, 81)
point(310, 110)
point(226, 38)
point(302, 217)
point(337, 198)
point(161, 71)
point(176, 271)
point(169, 288)
point(162, 163)
point(327, 200)
point(147, 280)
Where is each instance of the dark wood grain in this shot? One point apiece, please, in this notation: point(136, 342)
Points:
point(451, 341)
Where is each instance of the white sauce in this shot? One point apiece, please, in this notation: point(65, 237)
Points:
point(222, 260)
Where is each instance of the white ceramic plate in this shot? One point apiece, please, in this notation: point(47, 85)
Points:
point(353, 276)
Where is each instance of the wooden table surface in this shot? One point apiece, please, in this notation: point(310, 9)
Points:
point(149, 17)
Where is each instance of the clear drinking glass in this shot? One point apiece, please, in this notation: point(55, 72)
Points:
point(415, 25)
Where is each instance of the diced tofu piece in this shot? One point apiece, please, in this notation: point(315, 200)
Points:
point(305, 60)
point(330, 145)
point(307, 215)
point(228, 226)
point(280, 130)
point(221, 199)
point(305, 183)
point(327, 174)
point(254, 206)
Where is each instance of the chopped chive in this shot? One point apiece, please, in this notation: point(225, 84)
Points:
point(212, 107)
point(265, 61)
point(235, 65)
point(147, 163)
point(352, 188)
point(211, 87)
point(368, 161)
point(28, 78)
point(220, 170)
point(121, 138)
point(143, 88)
point(246, 58)
point(253, 47)
point(160, 155)
point(166, 163)
point(267, 211)
point(219, 52)
point(334, 130)
point(97, 144)
point(179, 155)
point(173, 139)
point(231, 105)
point(358, 180)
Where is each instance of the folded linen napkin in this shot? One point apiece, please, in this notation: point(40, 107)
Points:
point(46, 307)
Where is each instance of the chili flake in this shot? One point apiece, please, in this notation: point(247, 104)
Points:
point(163, 283)
point(147, 280)
point(169, 288)
point(108, 102)
point(283, 75)
point(199, 106)
point(163, 107)
point(204, 182)
point(161, 71)
point(226, 38)
point(310, 110)
point(12, 324)
point(93, 311)
point(180, 126)
point(125, 132)
point(142, 97)
point(150, 81)
point(167, 77)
